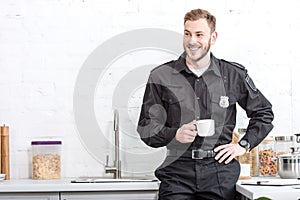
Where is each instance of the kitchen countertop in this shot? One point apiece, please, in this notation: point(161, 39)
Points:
point(65, 185)
point(273, 192)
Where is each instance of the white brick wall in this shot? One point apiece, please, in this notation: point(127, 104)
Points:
point(43, 45)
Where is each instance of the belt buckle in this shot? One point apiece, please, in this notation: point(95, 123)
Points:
point(198, 154)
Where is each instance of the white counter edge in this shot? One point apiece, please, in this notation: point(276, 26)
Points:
point(26, 185)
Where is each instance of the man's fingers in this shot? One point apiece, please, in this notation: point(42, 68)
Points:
point(192, 122)
point(189, 129)
point(191, 133)
point(186, 133)
point(224, 155)
point(229, 159)
point(217, 149)
point(225, 152)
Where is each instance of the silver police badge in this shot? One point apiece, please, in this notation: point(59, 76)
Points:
point(224, 101)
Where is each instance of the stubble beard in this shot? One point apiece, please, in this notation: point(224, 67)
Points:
point(196, 58)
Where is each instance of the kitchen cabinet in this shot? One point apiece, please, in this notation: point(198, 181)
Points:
point(130, 195)
point(29, 196)
point(65, 189)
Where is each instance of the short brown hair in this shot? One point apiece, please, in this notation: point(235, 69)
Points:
point(196, 14)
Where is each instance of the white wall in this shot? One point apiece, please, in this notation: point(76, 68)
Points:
point(44, 44)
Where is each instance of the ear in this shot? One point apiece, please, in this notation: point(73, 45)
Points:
point(214, 36)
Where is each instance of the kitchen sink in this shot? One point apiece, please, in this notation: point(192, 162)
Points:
point(112, 180)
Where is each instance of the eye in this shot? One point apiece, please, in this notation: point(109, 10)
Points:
point(186, 33)
point(200, 35)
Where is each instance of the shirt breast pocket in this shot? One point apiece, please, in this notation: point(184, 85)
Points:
point(223, 101)
point(223, 108)
point(173, 99)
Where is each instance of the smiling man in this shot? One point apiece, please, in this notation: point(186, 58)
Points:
point(198, 38)
point(200, 86)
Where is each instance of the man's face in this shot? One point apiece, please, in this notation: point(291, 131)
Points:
point(197, 39)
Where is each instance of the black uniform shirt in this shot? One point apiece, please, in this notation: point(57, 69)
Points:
point(175, 96)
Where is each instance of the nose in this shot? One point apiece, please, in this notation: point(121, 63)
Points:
point(192, 40)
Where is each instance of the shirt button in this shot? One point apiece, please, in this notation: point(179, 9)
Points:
point(198, 117)
point(198, 98)
point(198, 80)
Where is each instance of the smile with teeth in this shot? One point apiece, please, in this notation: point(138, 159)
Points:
point(194, 48)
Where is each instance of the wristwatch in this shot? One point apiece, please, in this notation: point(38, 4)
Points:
point(244, 143)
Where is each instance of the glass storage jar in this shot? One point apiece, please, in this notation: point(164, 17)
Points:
point(46, 160)
point(267, 157)
point(283, 144)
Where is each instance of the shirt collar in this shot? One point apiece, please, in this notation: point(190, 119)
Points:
point(214, 65)
point(180, 65)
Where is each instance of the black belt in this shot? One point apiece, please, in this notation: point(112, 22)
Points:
point(194, 153)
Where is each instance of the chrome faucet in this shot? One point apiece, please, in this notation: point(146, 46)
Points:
point(116, 168)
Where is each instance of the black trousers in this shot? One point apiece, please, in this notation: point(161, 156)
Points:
point(187, 179)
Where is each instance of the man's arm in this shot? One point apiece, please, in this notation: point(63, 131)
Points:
point(153, 116)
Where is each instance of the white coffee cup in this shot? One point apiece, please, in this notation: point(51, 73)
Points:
point(205, 127)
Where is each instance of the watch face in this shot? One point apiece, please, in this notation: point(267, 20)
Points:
point(243, 143)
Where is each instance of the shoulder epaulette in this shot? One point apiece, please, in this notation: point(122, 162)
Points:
point(167, 63)
point(247, 77)
point(235, 64)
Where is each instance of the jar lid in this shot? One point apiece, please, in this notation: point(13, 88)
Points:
point(268, 139)
point(289, 155)
point(45, 142)
point(284, 138)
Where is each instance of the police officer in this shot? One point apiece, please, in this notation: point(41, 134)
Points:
point(200, 86)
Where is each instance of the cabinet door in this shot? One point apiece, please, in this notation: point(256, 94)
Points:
point(29, 196)
point(113, 195)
